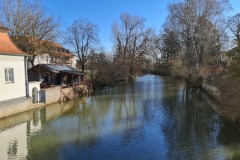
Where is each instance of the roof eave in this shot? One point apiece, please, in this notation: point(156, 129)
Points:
point(14, 54)
point(72, 72)
point(51, 70)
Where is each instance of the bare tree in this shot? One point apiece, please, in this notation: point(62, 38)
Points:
point(155, 51)
point(234, 26)
point(83, 36)
point(30, 25)
point(131, 42)
point(103, 69)
point(198, 27)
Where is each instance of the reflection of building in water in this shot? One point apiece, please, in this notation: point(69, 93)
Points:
point(17, 131)
point(14, 135)
point(55, 110)
point(14, 142)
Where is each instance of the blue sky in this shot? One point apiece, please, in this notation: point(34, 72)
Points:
point(105, 12)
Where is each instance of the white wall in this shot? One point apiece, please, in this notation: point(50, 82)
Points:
point(74, 64)
point(34, 84)
point(45, 59)
point(42, 59)
point(17, 88)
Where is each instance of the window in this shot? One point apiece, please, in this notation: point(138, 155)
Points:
point(9, 75)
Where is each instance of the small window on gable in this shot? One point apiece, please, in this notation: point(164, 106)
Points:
point(9, 78)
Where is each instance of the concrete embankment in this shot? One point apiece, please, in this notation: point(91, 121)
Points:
point(58, 94)
point(18, 105)
point(214, 93)
point(45, 97)
point(227, 113)
point(227, 109)
point(39, 115)
point(211, 89)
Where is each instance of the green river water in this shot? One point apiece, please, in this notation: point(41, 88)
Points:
point(152, 118)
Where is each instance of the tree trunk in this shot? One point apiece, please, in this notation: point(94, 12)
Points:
point(83, 68)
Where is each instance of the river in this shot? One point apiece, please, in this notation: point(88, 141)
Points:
point(153, 117)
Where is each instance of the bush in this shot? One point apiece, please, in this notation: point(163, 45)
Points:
point(230, 98)
point(178, 69)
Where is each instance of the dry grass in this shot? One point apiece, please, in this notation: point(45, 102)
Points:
point(230, 98)
point(178, 69)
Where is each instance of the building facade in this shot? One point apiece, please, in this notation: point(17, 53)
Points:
point(54, 74)
point(57, 54)
point(13, 69)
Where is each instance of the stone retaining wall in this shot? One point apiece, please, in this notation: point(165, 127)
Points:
point(15, 106)
point(210, 89)
point(50, 95)
point(46, 97)
point(56, 94)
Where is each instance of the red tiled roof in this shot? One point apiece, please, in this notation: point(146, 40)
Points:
point(6, 44)
point(61, 52)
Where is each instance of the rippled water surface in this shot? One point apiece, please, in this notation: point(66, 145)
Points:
point(152, 118)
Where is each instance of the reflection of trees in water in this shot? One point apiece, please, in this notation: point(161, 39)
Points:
point(87, 127)
point(153, 108)
point(126, 119)
point(229, 134)
point(189, 125)
point(229, 137)
point(90, 118)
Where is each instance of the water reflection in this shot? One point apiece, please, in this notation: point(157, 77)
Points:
point(189, 125)
point(16, 131)
point(151, 118)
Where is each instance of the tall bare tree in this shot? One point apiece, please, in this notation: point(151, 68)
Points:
point(198, 26)
point(30, 25)
point(234, 26)
point(103, 69)
point(83, 36)
point(131, 41)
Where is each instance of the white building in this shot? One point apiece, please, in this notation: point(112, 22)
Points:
point(13, 69)
point(57, 55)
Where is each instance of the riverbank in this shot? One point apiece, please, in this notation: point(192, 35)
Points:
point(217, 83)
point(42, 98)
point(229, 98)
point(226, 95)
point(211, 89)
